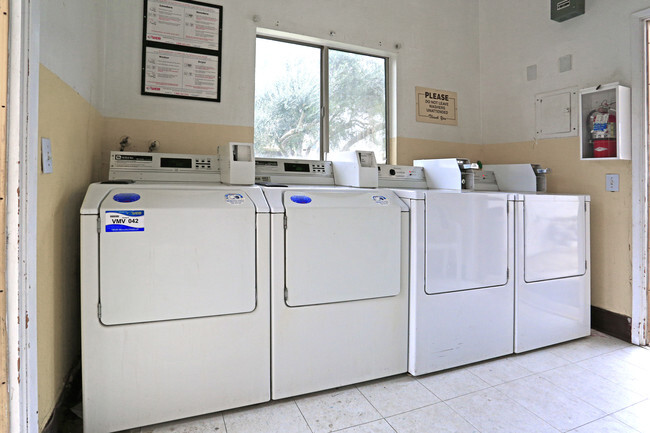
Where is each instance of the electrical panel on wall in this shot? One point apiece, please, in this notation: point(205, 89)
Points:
point(562, 10)
point(556, 113)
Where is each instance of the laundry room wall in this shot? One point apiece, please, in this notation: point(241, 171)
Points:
point(70, 89)
point(515, 34)
point(90, 98)
point(439, 49)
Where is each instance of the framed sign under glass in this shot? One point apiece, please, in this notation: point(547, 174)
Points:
point(181, 49)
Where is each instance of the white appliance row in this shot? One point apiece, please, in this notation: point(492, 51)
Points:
point(489, 268)
point(199, 296)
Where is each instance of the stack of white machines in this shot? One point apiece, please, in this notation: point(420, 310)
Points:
point(553, 277)
point(493, 271)
point(202, 292)
point(339, 274)
point(200, 296)
point(175, 305)
point(462, 257)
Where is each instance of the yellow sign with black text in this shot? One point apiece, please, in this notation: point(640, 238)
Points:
point(436, 106)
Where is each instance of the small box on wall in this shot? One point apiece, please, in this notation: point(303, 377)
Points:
point(562, 10)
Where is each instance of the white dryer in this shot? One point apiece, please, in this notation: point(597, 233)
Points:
point(553, 282)
point(462, 257)
point(174, 293)
point(339, 279)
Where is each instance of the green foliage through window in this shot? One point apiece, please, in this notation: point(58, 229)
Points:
point(288, 89)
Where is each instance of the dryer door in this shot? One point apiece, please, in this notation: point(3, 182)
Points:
point(466, 241)
point(341, 246)
point(554, 237)
point(175, 253)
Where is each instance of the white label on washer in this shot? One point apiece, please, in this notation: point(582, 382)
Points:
point(234, 198)
point(380, 199)
point(124, 221)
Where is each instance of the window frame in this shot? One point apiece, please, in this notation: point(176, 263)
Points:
point(325, 48)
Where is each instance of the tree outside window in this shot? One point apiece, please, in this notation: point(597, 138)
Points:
point(295, 84)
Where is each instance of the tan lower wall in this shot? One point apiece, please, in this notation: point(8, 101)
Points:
point(74, 128)
point(611, 212)
point(174, 137)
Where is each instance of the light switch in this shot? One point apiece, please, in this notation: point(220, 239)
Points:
point(46, 155)
point(612, 182)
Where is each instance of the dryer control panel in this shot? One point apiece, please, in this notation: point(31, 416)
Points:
point(293, 171)
point(401, 176)
point(448, 173)
point(166, 167)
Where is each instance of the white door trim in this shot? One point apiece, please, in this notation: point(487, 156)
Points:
point(639, 178)
point(22, 166)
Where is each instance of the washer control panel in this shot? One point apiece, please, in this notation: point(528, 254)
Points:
point(296, 171)
point(405, 176)
point(163, 167)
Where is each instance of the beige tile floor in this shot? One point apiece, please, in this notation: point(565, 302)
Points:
point(596, 384)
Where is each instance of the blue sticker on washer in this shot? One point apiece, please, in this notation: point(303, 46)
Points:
point(380, 199)
point(126, 197)
point(300, 199)
point(234, 198)
point(124, 221)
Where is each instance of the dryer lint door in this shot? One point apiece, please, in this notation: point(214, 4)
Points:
point(554, 237)
point(466, 241)
point(341, 246)
point(177, 253)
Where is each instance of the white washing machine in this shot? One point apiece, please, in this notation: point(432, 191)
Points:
point(175, 273)
point(461, 262)
point(553, 282)
point(339, 279)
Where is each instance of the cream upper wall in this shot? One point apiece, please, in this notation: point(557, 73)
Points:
point(517, 33)
point(439, 42)
point(72, 44)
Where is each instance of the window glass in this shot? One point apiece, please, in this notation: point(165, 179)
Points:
point(287, 100)
point(357, 103)
point(289, 81)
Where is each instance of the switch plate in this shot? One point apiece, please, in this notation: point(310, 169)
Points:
point(46, 155)
point(612, 182)
point(565, 63)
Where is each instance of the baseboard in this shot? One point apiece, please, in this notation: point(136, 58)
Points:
point(70, 393)
point(614, 324)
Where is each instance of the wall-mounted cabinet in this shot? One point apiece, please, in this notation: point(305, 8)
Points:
point(605, 122)
point(556, 113)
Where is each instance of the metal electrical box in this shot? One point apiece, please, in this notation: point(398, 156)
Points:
point(562, 10)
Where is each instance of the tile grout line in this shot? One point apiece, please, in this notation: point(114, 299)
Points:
point(301, 414)
point(606, 378)
point(598, 419)
point(223, 418)
point(507, 397)
point(462, 417)
point(600, 377)
point(370, 403)
point(623, 422)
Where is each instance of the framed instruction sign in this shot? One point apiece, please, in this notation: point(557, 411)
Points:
point(436, 106)
point(181, 49)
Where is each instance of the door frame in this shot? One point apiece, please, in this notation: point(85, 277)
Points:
point(639, 177)
point(4, 52)
point(21, 172)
